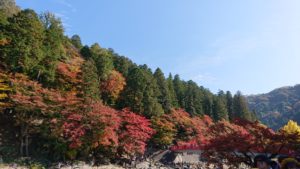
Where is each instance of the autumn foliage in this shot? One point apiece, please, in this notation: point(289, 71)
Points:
point(135, 131)
point(190, 128)
point(28, 95)
point(291, 127)
point(105, 123)
point(4, 41)
point(68, 72)
point(104, 128)
point(165, 130)
point(233, 143)
point(113, 85)
point(97, 127)
point(237, 142)
point(64, 104)
point(4, 89)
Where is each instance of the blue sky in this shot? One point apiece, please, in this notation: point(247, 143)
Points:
point(250, 45)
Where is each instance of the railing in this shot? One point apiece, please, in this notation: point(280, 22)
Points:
point(186, 147)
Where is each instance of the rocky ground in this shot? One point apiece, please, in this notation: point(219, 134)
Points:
point(141, 165)
point(12, 166)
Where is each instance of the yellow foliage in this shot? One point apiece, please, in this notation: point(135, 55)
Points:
point(4, 88)
point(291, 127)
point(3, 42)
point(287, 161)
point(3, 96)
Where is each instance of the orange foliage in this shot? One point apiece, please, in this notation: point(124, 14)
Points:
point(114, 84)
point(4, 41)
point(190, 128)
point(70, 71)
point(165, 130)
point(27, 95)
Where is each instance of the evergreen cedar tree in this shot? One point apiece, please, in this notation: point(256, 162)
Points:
point(84, 102)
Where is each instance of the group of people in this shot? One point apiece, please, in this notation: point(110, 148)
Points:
point(283, 162)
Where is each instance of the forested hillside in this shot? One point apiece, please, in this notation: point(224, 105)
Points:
point(63, 100)
point(277, 107)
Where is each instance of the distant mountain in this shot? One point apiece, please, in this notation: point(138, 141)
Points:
point(278, 106)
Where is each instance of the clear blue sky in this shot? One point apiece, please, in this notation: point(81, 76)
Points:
point(249, 45)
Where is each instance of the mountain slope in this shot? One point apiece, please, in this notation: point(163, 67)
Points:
point(278, 106)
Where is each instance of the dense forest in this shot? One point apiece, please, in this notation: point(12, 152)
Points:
point(63, 100)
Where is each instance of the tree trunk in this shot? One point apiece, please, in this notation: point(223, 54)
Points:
point(22, 141)
point(26, 144)
point(38, 76)
point(21, 147)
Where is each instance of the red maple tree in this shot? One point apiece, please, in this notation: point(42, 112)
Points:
point(104, 123)
point(134, 133)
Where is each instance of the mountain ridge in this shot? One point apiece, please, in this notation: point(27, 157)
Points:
point(278, 106)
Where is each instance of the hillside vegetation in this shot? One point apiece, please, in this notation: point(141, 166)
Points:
point(277, 107)
point(62, 100)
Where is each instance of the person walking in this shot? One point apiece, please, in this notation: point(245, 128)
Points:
point(290, 163)
point(262, 162)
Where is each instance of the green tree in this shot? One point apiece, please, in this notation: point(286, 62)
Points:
point(164, 97)
point(240, 107)
point(151, 105)
point(122, 64)
point(179, 90)
point(25, 50)
point(193, 99)
point(222, 95)
point(229, 104)
point(91, 85)
point(219, 109)
point(53, 47)
point(86, 52)
point(9, 7)
point(208, 104)
point(140, 93)
point(3, 19)
point(173, 98)
point(103, 60)
point(253, 116)
point(133, 93)
point(4, 40)
point(76, 41)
